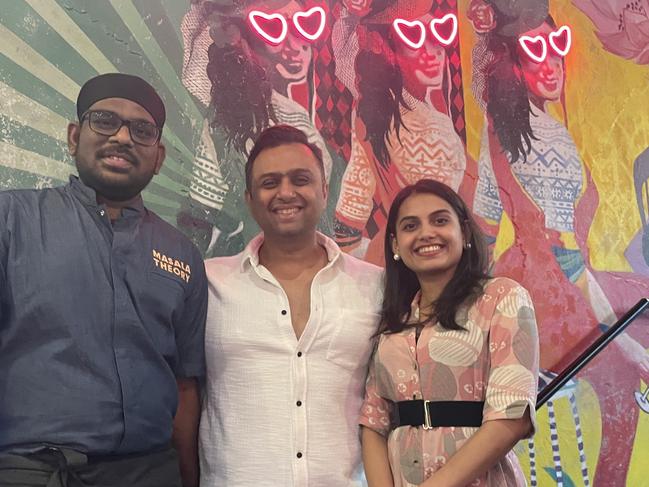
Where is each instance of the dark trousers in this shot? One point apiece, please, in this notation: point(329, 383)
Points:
point(61, 467)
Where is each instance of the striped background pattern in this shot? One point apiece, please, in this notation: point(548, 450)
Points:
point(49, 48)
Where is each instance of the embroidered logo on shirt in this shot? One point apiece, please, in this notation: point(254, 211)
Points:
point(172, 266)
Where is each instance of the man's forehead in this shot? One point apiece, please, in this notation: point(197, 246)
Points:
point(284, 159)
point(123, 107)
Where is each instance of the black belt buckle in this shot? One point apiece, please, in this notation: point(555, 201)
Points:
point(434, 414)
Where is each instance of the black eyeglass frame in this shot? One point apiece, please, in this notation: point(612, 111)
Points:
point(88, 113)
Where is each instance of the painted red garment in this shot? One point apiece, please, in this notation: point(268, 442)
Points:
point(567, 324)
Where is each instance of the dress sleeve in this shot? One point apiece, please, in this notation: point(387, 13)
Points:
point(375, 412)
point(514, 355)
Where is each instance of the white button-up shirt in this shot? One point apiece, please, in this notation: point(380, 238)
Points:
point(281, 411)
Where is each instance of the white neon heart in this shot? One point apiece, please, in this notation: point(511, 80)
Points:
point(433, 28)
point(525, 41)
point(557, 35)
point(252, 18)
point(303, 15)
point(397, 23)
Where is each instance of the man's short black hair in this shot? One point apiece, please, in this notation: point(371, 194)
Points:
point(276, 136)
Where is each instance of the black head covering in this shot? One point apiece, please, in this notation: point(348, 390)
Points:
point(520, 15)
point(119, 85)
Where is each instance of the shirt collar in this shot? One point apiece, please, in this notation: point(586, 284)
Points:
point(88, 196)
point(414, 309)
point(250, 255)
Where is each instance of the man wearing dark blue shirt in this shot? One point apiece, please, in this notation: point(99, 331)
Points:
point(102, 312)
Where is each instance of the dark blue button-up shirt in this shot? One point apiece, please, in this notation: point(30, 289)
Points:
point(97, 321)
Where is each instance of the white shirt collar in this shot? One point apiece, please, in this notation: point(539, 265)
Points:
point(251, 253)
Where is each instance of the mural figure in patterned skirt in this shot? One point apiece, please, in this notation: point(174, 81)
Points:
point(402, 128)
point(245, 85)
point(530, 170)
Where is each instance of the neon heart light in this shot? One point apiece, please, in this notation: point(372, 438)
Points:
point(561, 40)
point(303, 23)
point(407, 31)
point(535, 47)
point(444, 29)
point(263, 23)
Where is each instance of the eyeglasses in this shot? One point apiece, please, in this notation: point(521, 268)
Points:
point(108, 123)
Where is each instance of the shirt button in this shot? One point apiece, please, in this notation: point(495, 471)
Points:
point(299, 403)
point(284, 312)
point(102, 212)
point(299, 354)
point(299, 454)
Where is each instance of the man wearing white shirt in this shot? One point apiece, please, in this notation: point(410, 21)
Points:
point(289, 335)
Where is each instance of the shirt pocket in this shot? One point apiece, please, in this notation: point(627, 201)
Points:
point(352, 341)
point(163, 300)
point(166, 290)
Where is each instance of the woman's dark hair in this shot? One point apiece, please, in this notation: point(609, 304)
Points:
point(380, 88)
point(241, 88)
point(508, 102)
point(401, 284)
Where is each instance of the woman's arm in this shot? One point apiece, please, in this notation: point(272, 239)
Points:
point(488, 445)
point(375, 458)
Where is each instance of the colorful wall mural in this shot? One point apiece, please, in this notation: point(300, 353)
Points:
point(547, 138)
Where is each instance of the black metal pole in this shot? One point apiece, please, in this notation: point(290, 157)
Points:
point(598, 345)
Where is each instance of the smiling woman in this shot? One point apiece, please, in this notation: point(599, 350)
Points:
point(443, 406)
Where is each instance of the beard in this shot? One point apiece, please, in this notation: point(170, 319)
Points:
point(120, 189)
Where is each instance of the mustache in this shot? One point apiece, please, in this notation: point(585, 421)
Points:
point(118, 151)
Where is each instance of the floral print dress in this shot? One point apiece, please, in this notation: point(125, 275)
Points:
point(495, 360)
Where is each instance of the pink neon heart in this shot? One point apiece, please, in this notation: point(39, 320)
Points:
point(310, 24)
point(444, 29)
point(271, 27)
point(409, 31)
point(535, 47)
point(561, 40)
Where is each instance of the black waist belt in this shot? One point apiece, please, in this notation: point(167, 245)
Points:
point(433, 414)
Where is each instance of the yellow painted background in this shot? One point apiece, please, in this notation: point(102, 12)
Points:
point(607, 100)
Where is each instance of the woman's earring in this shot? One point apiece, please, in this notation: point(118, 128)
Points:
point(396, 257)
point(467, 245)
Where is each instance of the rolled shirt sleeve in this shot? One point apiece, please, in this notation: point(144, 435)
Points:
point(190, 326)
point(514, 355)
